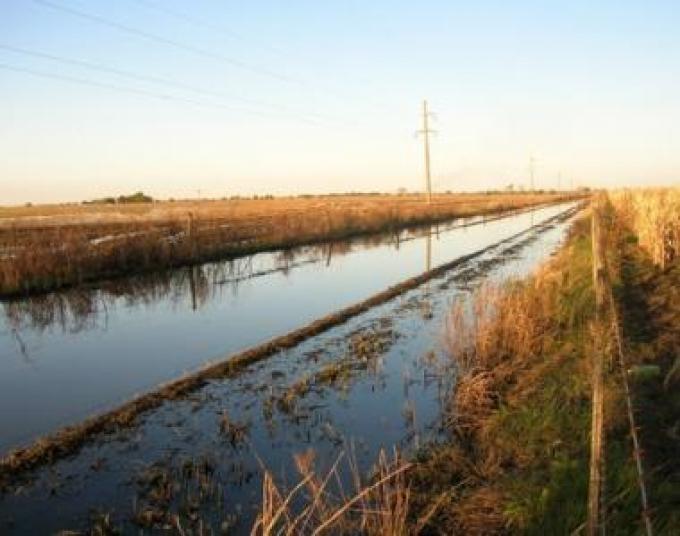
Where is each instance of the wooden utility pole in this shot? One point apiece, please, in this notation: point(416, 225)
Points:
point(425, 131)
point(532, 161)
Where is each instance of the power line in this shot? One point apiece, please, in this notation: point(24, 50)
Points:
point(144, 77)
point(196, 21)
point(202, 23)
point(199, 22)
point(190, 48)
point(187, 18)
point(166, 41)
point(135, 91)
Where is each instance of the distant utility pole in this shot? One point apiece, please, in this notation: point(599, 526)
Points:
point(532, 161)
point(559, 181)
point(426, 131)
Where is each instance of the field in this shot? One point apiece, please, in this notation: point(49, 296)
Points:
point(48, 247)
point(524, 359)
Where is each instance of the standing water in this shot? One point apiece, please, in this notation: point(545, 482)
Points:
point(375, 381)
point(70, 354)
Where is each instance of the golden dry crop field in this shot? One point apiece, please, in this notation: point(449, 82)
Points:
point(47, 247)
point(244, 209)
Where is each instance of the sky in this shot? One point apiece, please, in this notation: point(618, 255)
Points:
point(208, 98)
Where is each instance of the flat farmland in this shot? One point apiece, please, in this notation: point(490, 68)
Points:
point(46, 247)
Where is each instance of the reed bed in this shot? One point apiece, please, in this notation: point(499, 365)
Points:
point(500, 331)
point(516, 461)
point(654, 216)
point(520, 415)
point(647, 295)
point(41, 251)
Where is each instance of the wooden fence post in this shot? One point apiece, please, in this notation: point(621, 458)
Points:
point(595, 524)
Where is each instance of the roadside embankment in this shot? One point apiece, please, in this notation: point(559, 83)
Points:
point(517, 459)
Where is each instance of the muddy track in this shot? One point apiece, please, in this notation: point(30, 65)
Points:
point(68, 440)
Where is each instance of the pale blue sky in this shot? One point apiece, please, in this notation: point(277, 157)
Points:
point(319, 96)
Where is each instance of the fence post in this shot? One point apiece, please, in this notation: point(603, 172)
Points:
point(595, 524)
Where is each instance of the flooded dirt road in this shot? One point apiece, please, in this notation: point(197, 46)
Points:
point(376, 381)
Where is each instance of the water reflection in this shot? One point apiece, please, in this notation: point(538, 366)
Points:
point(427, 305)
point(78, 309)
point(87, 308)
point(88, 349)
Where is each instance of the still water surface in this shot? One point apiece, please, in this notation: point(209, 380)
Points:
point(70, 354)
point(226, 433)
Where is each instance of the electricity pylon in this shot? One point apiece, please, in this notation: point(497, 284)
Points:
point(426, 131)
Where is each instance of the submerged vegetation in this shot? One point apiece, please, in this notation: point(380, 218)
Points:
point(44, 249)
point(69, 439)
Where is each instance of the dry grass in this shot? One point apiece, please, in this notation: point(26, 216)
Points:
point(42, 248)
point(647, 292)
point(654, 216)
point(318, 504)
point(502, 329)
point(519, 414)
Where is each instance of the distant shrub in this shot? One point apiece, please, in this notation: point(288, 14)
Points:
point(137, 197)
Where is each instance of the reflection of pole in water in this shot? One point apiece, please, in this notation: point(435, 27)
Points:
point(329, 255)
point(427, 306)
point(428, 250)
point(192, 286)
point(22, 346)
point(532, 216)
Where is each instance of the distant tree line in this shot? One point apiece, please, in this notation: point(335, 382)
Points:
point(137, 197)
point(141, 197)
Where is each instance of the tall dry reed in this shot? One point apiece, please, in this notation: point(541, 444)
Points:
point(499, 330)
point(318, 503)
point(654, 216)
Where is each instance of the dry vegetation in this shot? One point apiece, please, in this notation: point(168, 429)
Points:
point(42, 248)
point(519, 418)
point(647, 291)
point(518, 457)
point(654, 217)
point(319, 504)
